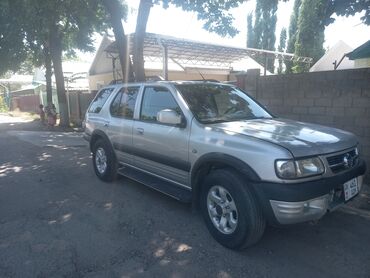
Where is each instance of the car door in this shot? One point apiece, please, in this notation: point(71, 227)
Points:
point(160, 149)
point(121, 122)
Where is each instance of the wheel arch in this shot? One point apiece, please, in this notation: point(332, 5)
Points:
point(211, 161)
point(96, 135)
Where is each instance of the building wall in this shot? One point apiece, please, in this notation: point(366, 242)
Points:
point(99, 80)
point(339, 99)
point(362, 63)
point(78, 104)
point(26, 103)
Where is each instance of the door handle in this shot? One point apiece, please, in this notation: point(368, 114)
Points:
point(140, 130)
point(106, 124)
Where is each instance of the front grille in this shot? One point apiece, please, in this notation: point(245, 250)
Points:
point(344, 161)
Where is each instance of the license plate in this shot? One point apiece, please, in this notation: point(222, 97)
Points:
point(350, 189)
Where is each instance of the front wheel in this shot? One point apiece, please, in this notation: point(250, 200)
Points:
point(230, 210)
point(104, 161)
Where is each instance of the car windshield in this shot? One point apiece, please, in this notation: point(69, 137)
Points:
point(211, 103)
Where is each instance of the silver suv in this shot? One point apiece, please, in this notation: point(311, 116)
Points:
point(213, 145)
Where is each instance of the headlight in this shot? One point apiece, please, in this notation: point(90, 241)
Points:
point(300, 168)
point(285, 169)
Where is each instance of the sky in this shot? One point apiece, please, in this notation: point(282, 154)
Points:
point(177, 23)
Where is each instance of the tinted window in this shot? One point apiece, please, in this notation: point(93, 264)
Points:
point(156, 99)
point(219, 103)
point(99, 101)
point(123, 104)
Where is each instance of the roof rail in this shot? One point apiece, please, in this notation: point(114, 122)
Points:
point(206, 80)
point(154, 78)
point(116, 81)
point(151, 78)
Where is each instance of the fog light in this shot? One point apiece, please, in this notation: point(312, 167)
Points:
point(295, 212)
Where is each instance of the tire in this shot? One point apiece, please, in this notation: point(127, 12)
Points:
point(241, 222)
point(103, 151)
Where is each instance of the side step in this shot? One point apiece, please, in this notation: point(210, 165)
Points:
point(171, 189)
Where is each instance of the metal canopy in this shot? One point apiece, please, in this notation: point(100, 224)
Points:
point(188, 52)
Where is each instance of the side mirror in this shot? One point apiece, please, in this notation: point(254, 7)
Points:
point(170, 117)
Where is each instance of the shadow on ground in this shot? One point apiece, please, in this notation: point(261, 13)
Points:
point(58, 220)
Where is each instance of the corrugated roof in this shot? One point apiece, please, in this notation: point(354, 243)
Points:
point(189, 52)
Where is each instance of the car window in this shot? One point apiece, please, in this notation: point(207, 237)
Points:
point(124, 102)
point(99, 100)
point(156, 99)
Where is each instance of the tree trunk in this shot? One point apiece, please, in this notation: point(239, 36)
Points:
point(56, 57)
point(113, 9)
point(48, 74)
point(142, 19)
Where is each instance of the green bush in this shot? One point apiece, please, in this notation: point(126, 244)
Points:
point(3, 106)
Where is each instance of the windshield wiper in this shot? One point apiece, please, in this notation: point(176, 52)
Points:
point(214, 121)
point(225, 120)
point(262, 117)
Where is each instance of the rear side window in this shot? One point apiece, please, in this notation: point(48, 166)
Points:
point(123, 104)
point(156, 99)
point(99, 101)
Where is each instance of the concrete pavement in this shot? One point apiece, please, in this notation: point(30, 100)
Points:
point(58, 220)
point(50, 138)
point(5, 118)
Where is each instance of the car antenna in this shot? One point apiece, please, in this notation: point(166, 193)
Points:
point(200, 74)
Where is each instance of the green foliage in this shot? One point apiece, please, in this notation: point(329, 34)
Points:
point(310, 35)
point(293, 28)
point(347, 8)
point(250, 33)
point(3, 106)
point(12, 52)
point(44, 28)
point(262, 34)
point(282, 40)
point(282, 47)
point(307, 25)
point(75, 20)
point(25, 28)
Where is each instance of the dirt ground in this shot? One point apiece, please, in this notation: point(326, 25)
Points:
point(58, 220)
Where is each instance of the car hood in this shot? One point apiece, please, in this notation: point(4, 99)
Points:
point(301, 139)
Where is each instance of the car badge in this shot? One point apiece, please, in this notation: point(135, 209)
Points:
point(347, 161)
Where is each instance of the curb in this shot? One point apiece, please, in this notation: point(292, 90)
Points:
point(355, 211)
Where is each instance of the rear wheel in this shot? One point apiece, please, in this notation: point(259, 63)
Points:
point(230, 210)
point(104, 161)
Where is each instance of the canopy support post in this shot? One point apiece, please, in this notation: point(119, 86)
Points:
point(164, 59)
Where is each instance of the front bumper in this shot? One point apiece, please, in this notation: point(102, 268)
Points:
point(295, 212)
point(301, 202)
